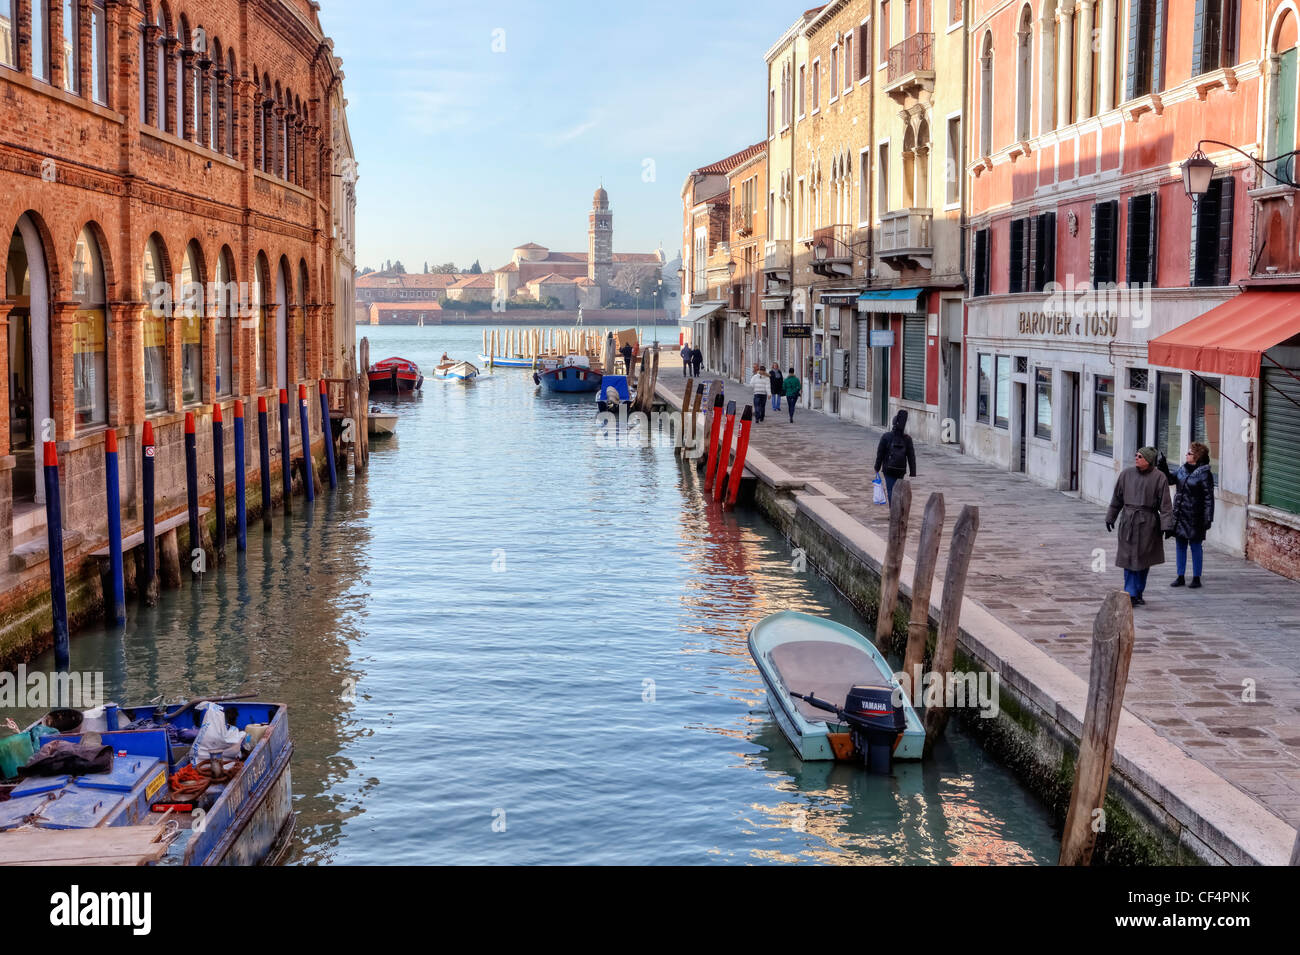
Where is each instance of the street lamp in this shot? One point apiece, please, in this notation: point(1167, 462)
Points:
point(1198, 170)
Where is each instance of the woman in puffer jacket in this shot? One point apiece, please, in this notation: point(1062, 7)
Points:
point(1193, 511)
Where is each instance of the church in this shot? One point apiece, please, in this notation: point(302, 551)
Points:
point(576, 279)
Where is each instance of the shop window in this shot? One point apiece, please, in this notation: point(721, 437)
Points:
point(1143, 225)
point(1002, 409)
point(1207, 415)
point(89, 351)
point(914, 358)
point(1169, 415)
point(1212, 234)
point(191, 315)
point(1214, 35)
point(980, 272)
point(157, 295)
point(1103, 416)
point(1043, 403)
point(984, 391)
point(1146, 47)
point(1105, 233)
point(1279, 438)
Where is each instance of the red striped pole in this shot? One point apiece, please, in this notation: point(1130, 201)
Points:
point(742, 448)
point(724, 452)
point(715, 421)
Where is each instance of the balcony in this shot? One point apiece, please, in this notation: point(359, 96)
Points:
point(905, 238)
point(742, 221)
point(911, 68)
point(777, 263)
point(832, 251)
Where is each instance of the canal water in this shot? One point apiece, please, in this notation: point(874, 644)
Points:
point(510, 644)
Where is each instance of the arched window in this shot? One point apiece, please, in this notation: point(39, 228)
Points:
point(921, 167)
point(302, 321)
point(191, 315)
point(1048, 69)
point(216, 102)
point(8, 53)
point(71, 50)
point(1024, 73)
point(227, 293)
point(89, 350)
point(986, 96)
point(182, 33)
point(282, 286)
point(41, 39)
point(156, 293)
point(1281, 116)
point(258, 297)
point(909, 168)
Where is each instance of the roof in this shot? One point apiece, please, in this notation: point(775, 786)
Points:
point(531, 245)
point(508, 268)
point(551, 278)
point(637, 257)
point(431, 280)
point(724, 166)
point(430, 306)
point(484, 280)
point(584, 282)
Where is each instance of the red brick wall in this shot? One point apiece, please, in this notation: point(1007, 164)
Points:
point(1275, 547)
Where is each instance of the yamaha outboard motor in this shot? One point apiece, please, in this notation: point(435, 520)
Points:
point(877, 722)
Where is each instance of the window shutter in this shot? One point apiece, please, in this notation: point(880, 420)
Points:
point(1046, 272)
point(1153, 235)
point(1223, 264)
point(1092, 249)
point(1198, 38)
point(1134, 45)
point(981, 277)
point(914, 358)
point(1016, 258)
point(1105, 225)
point(1032, 241)
point(1156, 13)
point(1136, 246)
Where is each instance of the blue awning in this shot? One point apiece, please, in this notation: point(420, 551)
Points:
point(895, 301)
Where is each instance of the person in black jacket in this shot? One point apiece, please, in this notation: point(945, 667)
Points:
point(895, 455)
point(778, 386)
point(697, 361)
point(1193, 511)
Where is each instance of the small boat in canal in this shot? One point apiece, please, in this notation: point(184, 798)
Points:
point(614, 394)
point(832, 693)
point(504, 361)
point(395, 375)
point(380, 423)
point(573, 374)
point(451, 369)
point(148, 785)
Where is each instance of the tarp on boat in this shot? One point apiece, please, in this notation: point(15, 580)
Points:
point(618, 383)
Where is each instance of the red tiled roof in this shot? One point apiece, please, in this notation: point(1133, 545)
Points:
point(404, 307)
point(531, 245)
point(732, 161)
point(551, 278)
point(584, 282)
point(476, 281)
point(433, 280)
point(567, 257)
point(509, 268)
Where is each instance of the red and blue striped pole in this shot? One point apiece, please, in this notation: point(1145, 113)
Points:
point(286, 469)
point(113, 487)
point(263, 433)
point(192, 485)
point(58, 584)
point(328, 433)
point(219, 478)
point(149, 587)
point(241, 483)
point(308, 479)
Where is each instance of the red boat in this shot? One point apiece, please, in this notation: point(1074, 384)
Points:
point(395, 375)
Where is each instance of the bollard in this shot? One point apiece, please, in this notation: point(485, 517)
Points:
point(286, 470)
point(715, 421)
point(263, 433)
point(58, 584)
point(241, 483)
point(112, 483)
point(304, 425)
point(724, 453)
point(327, 432)
point(219, 478)
point(742, 448)
point(192, 488)
point(149, 589)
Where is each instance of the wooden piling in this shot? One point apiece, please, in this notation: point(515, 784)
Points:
point(899, 509)
point(58, 581)
point(954, 589)
point(149, 589)
point(1112, 649)
point(169, 566)
point(363, 422)
point(918, 626)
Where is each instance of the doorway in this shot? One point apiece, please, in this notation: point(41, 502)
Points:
point(952, 370)
point(880, 377)
point(281, 328)
point(1020, 426)
point(27, 285)
point(1070, 418)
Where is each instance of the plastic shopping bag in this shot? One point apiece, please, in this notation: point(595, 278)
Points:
point(215, 737)
point(878, 495)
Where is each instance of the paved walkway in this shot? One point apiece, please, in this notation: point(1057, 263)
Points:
point(1033, 569)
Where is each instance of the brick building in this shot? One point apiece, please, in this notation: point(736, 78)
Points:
point(180, 188)
point(747, 191)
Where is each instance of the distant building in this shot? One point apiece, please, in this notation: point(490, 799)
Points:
point(404, 313)
point(392, 287)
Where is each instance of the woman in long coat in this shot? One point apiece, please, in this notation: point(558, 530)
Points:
point(1193, 511)
point(1142, 498)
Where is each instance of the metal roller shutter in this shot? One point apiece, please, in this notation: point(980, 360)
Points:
point(914, 358)
point(1279, 441)
point(862, 359)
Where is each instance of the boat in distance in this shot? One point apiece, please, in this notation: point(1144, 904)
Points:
point(501, 361)
point(395, 375)
point(573, 374)
point(806, 663)
point(451, 369)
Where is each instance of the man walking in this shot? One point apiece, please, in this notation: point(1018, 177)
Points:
point(895, 454)
point(626, 352)
point(793, 389)
point(778, 386)
point(762, 386)
point(1141, 503)
point(686, 359)
point(697, 360)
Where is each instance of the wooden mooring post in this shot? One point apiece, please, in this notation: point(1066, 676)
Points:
point(1112, 649)
point(899, 508)
point(954, 589)
point(918, 626)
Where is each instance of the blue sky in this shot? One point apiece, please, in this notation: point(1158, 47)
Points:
point(465, 153)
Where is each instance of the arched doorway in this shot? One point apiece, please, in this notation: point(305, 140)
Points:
point(282, 325)
point(27, 285)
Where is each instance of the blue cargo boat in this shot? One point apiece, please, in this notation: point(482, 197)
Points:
point(573, 375)
point(241, 816)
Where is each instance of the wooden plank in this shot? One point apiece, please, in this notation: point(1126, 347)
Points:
point(899, 507)
point(162, 527)
point(1112, 649)
point(116, 845)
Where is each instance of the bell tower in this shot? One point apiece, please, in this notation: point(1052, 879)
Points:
point(600, 240)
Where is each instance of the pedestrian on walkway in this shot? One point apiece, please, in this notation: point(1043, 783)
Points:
point(793, 389)
point(697, 360)
point(762, 387)
point(895, 454)
point(686, 359)
point(778, 386)
point(1142, 497)
point(626, 352)
point(1193, 512)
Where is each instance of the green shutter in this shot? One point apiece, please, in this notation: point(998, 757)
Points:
point(1284, 116)
point(1279, 440)
point(914, 358)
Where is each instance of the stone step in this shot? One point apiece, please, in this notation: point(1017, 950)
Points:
point(36, 551)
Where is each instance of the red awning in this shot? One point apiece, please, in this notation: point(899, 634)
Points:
point(1229, 339)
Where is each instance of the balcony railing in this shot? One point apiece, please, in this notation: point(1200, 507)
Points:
point(914, 55)
point(906, 234)
point(832, 250)
point(776, 255)
point(742, 220)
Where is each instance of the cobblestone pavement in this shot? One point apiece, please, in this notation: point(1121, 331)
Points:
point(1033, 568)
